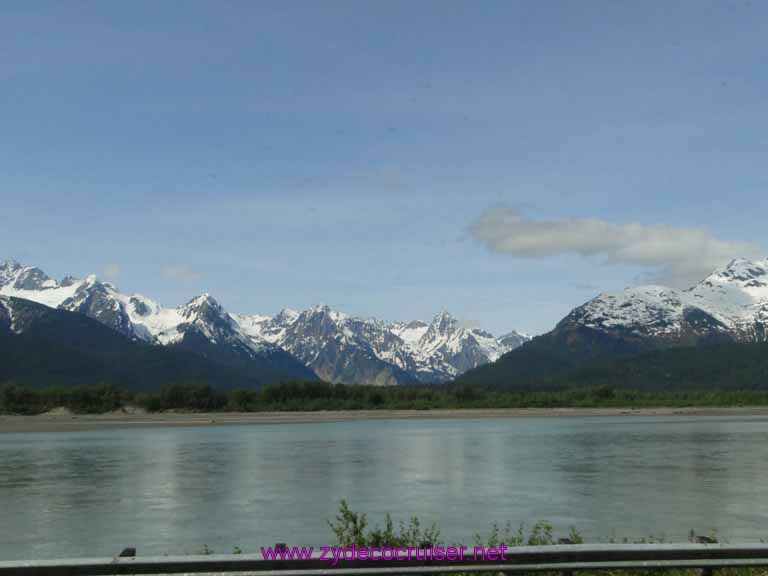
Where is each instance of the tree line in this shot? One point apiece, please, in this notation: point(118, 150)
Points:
point(313, 396)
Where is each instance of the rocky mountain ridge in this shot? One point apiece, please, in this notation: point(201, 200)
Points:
point(333, 345)
point(731, 303)
point(728, 307)
point(201, 325)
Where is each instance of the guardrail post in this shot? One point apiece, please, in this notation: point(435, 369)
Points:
point(565, 541)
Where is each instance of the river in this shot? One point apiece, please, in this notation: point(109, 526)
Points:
point(176, 490)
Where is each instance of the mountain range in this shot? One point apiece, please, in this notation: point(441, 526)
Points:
point(342, 348)
point(665, 327)
point(647, 336)
point(304, 345)
point(44, 347)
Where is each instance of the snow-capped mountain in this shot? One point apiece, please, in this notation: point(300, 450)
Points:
point(343, 348)
point(513, 340)
point(730, 304)
point(333, 345)
point(338, 348)
point(99, 300)
point(201, 324)
point(44, 346)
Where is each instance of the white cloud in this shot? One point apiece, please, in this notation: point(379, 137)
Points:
point(676, 256)
point(179, 274)
point(112, 271)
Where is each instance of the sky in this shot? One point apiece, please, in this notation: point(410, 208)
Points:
point(505, 161)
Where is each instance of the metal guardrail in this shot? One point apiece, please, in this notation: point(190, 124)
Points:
point(565, 559)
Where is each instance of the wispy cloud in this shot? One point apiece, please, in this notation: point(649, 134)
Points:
point(676, 256)
point(179, 273)
point(112, 271)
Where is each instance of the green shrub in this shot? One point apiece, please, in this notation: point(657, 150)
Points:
point(352, 528)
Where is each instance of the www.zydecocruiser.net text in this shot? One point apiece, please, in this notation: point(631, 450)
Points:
point(386, 554)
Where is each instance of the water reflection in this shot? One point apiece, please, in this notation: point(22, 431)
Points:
point(175, 490)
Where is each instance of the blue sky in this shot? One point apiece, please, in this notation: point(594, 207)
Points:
point(386, 158)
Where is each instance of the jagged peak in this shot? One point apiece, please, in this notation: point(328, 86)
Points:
point(202, 307)
point(204, 298)
point(324, 310)
point(513, 333)
point(448, 348)
point(286, 315)
point(10, 264)
point(741, 269)
point(10, 270)
point(31, 278)
point(444, 320)
point(739, 262)
point(92, 283)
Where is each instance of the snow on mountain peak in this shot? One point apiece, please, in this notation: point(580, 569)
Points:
point(286, 315)
point(733, 300)
point(208, 316)
point(8, 267)
point(324, 310)
point(443, 321)
point(340, 347)
point(31, 283)
point(337, 346)
point(204, 299)
point(742, 272)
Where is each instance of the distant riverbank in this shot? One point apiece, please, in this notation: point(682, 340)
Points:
point(62, 421)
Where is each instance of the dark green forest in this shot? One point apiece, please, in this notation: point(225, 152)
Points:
point(552, 363)
point(313, 396)
point(68, 360)
point(59, 348)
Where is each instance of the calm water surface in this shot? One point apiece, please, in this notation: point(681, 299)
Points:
point(173, 490)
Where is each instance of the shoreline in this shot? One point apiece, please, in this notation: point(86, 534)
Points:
point(64, 422)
